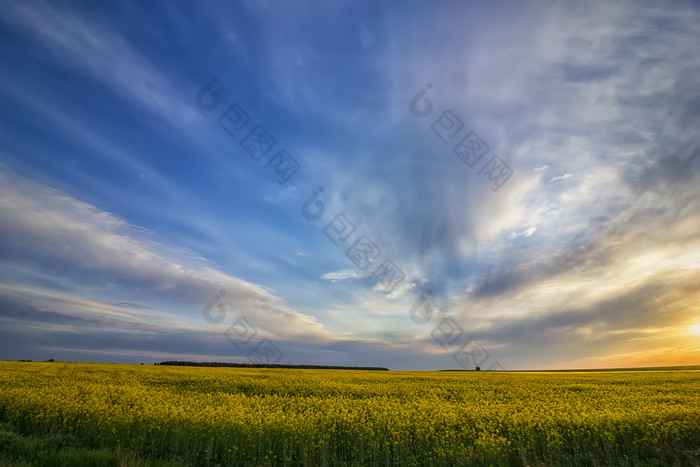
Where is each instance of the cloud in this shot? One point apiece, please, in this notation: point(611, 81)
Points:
point(62, 234)
point(560, 177)
point(39, 324)
point(523, 233)
point(104, 54)
point(341, 275)
point(555, 93)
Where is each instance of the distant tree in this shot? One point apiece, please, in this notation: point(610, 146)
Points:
point(478, 369)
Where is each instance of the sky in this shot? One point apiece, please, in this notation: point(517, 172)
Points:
point(411, 185)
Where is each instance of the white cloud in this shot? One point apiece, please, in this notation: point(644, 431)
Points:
point(523, 233)
point(106, 55)
point(61, 233)
point(561, 177)
point(341, 275)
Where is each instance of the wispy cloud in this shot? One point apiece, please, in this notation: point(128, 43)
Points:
point(104, 54)
point(65, 235)
point(560, 177)
point(341, 275)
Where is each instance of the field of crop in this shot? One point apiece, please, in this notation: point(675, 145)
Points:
point(100, 414)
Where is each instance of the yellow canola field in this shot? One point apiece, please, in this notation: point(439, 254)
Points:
point(232, 416)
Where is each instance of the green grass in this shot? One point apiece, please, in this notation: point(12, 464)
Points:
point(63, 449)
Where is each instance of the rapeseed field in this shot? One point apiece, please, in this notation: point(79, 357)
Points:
point(240, 416)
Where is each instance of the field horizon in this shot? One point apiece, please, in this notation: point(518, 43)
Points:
point(343, 367)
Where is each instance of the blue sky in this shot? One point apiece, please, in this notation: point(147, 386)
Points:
point(563, 233)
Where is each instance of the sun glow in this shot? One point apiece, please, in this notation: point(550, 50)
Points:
point(694, 329)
